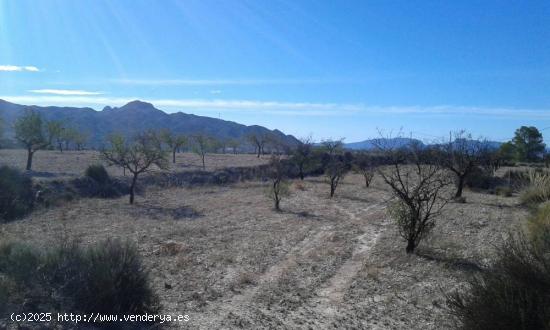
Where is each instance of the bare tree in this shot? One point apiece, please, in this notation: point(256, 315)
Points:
point(80, 139)
point(302, 155)
point(366, 165)
point(462, 155)
point(137, 156)
point(277, 145)
point(30, 131)
point(279, 187)
point(333, 147)
point(233, 144)
point(335, 164)
point(258, 140)
point(173, 141)
point(417, 181)
point(202, 144)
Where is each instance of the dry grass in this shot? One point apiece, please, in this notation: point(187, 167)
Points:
point(538, 190)
point(54, 164)
point(233, 262)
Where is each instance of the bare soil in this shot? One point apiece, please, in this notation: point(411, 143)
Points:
point(50, 164)
point(223, 256)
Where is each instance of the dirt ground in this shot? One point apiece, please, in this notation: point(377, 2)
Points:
point(58, 165)
point(223, 256)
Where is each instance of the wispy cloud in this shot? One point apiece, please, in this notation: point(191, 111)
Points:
point(222, 82)
point(71, 92)
point(215, 91)
point(281, 108)
point(15, 68)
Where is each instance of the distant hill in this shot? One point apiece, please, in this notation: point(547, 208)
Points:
point(386, 142)
point(401, 142)
point(133, 118)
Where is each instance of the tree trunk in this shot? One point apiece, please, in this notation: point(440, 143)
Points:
point(203, 165)
point(460, 187)
point(29, 159)
point(332, 188)
point(133, 188)
point(301, 172)
point(174, 156)
point(259, 150)
point(276, 194)
point(366, 181)
point(410, 246)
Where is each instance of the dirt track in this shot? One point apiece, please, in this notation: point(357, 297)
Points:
point(226, 258)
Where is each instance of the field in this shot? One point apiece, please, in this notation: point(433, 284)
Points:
point(222, 255)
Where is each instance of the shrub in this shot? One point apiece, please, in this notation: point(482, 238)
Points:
point(16, 194)
point(482, 179)
point(104, 278)
point(513, 293)
point(98, 173)
point(98, 183)
point(538, 227)
point(538, 190)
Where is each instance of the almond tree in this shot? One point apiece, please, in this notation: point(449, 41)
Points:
point(335, 170)
point(258, 141)
point(462, 155)
point(302, 155)
point(202, 144)
point(418, 182)
point(54, 129)
point(30, 131)
point(174, 142)
point(336, 164)
point(366, 165)
point(137, 156)
point(278, 187)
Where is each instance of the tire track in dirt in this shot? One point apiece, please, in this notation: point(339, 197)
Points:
point(333, 292)
point(239, 302)
point(328, 296)
point(325, 303)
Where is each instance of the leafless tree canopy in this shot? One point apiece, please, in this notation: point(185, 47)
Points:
point(462, 155)
point(202, 144)
point(258, 141)
point(279, 187)
point(417, 181)
point(366, 165)
point(302, 155)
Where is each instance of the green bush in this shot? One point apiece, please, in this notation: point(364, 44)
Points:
point(16, 194)
point(513, 293)
point(104, 278)
point(98, 173)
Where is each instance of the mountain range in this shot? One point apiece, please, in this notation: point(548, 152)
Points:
point(135, 117)
point(400, 142)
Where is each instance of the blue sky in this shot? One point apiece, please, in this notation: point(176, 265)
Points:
point(333, 69)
